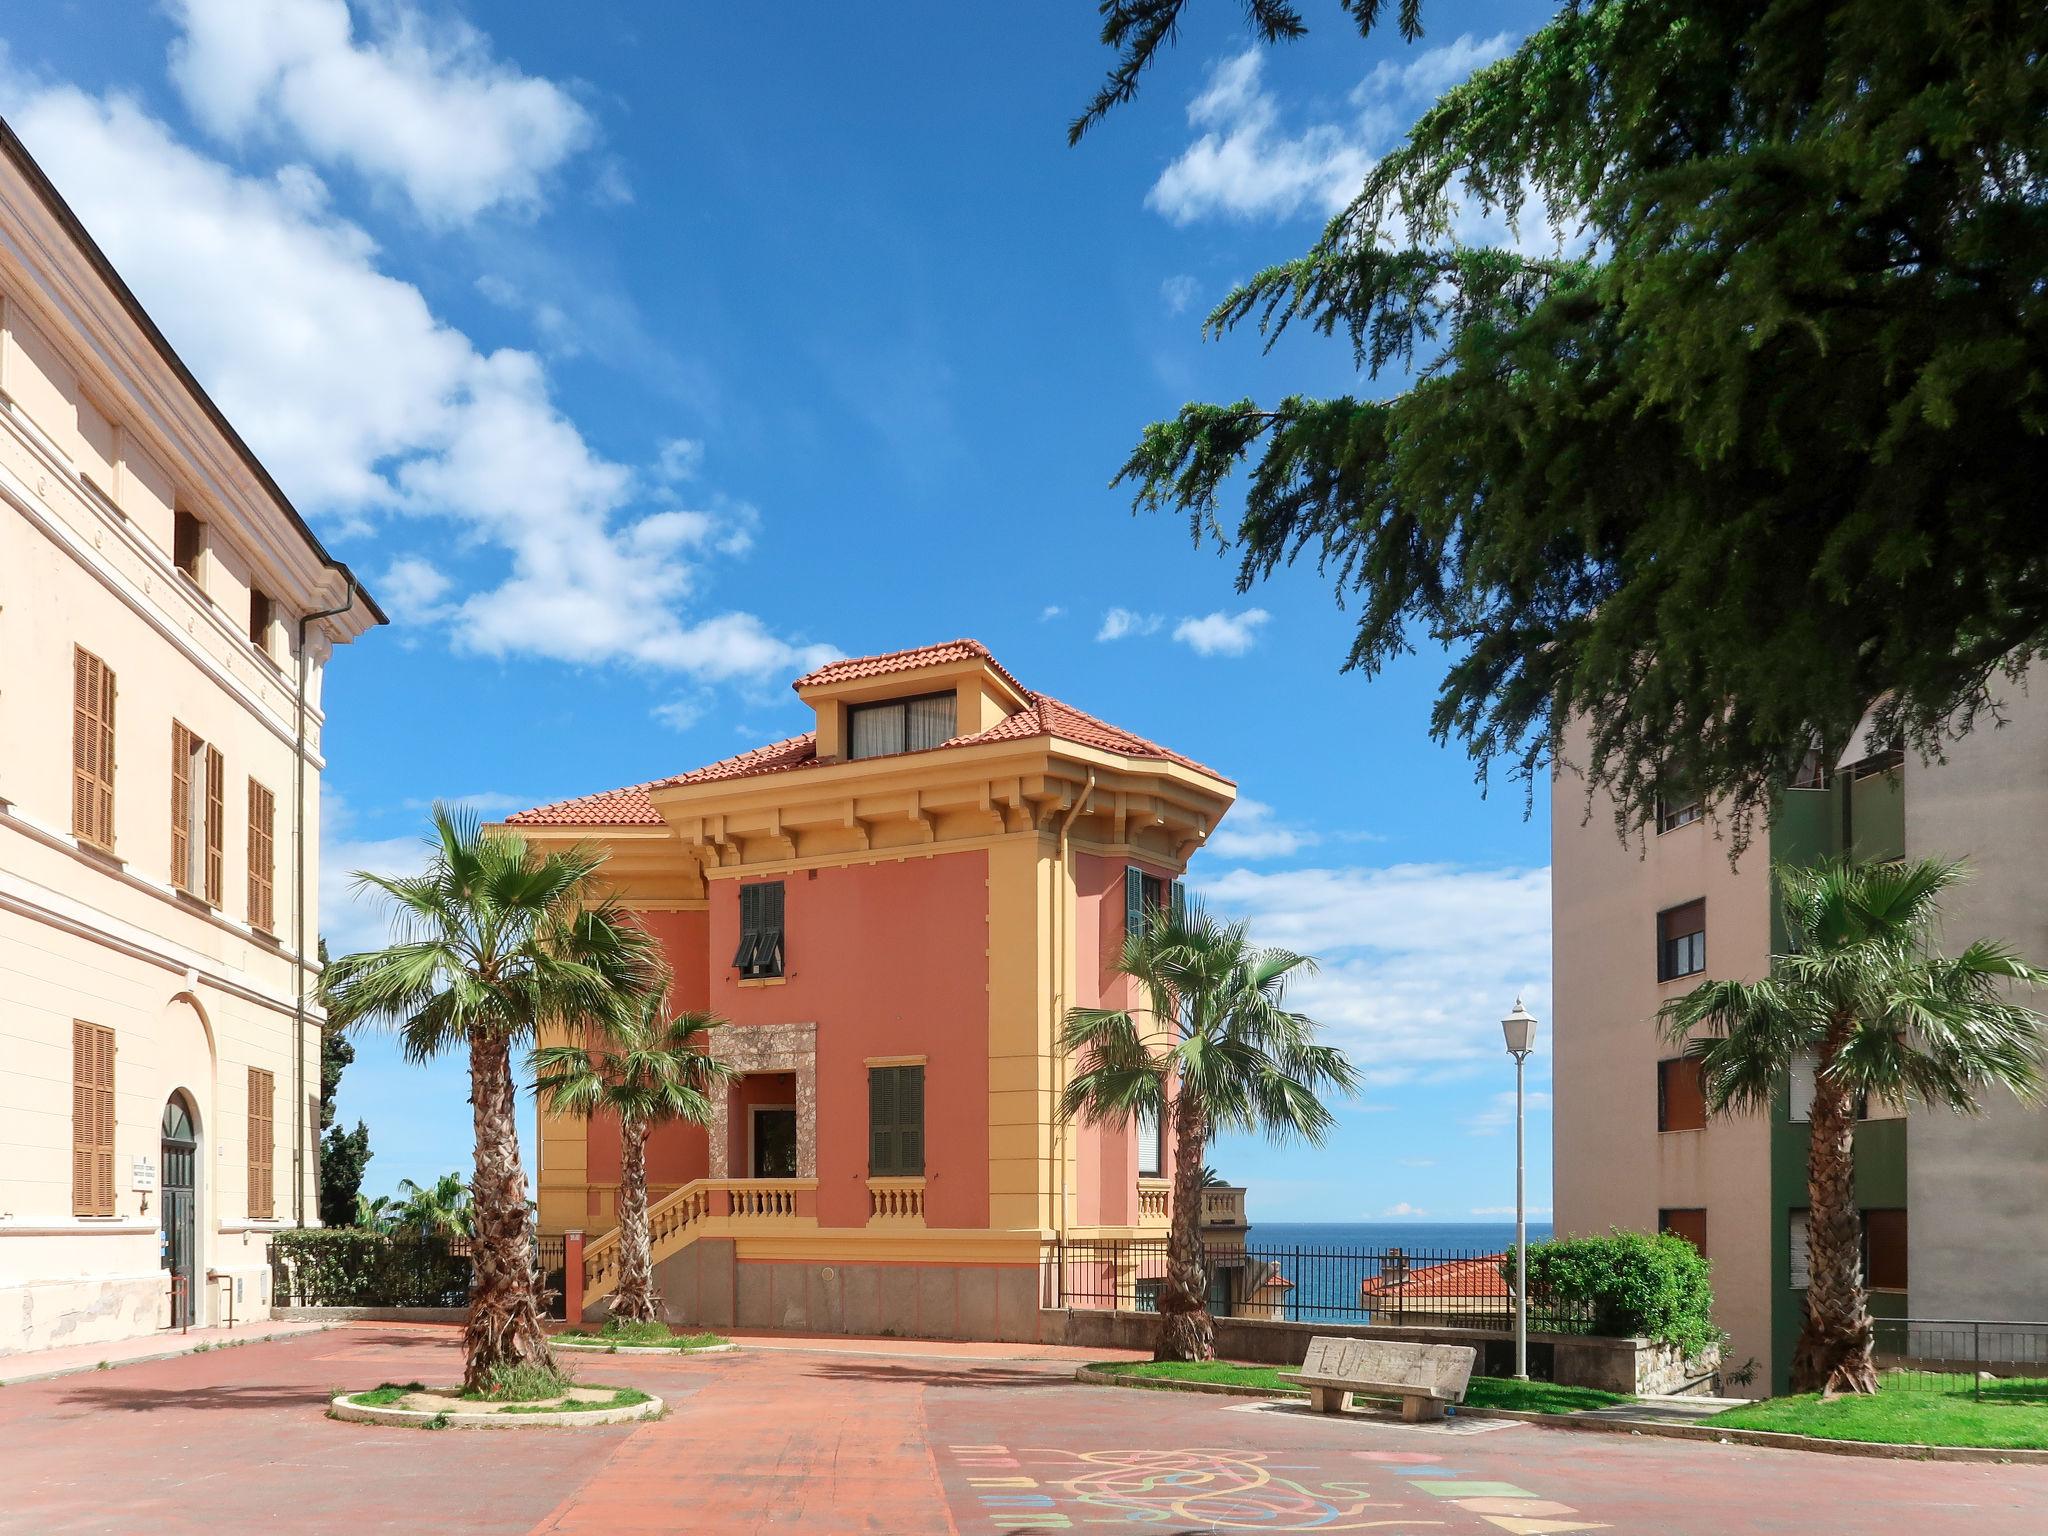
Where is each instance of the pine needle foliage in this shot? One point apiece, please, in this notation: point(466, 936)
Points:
point(1740, 437)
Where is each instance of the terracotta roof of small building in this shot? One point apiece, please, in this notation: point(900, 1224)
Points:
point(1457, 1280)
point(1042, 716)
point(855, 668)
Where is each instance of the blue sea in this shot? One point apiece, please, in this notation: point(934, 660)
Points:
point(1328, 1260)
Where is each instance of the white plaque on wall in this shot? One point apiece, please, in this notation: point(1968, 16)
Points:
point(144, 1178)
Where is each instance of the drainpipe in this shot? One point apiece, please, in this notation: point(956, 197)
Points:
point(302, 991)
point(1063, 951)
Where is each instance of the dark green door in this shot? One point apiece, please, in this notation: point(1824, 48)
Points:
point(180, 1161)
point(774, 1144)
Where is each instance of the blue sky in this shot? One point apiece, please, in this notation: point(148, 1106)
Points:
point(637, 362)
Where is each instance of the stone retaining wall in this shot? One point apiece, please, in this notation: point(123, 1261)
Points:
point(1636, 1366)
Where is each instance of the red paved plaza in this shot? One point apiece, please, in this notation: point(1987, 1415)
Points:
point(831, 1439)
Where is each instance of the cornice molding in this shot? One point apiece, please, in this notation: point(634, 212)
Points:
point(149, 572)
point(49, 263)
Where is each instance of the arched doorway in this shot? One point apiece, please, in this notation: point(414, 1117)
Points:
point(178, 1201)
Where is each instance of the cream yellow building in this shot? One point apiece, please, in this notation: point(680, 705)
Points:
point(165, 617)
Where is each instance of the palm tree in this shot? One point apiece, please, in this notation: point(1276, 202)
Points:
point(494, 942)
point(375, 1215)
point(1883, 1017)
point(439, 1209)
point(648, 1069)
point(1210, 1048)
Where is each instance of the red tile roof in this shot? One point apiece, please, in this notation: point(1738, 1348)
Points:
point(1458, 1280)
point(854, 668)
point(1047, 716)
point(630, 807)
point(1042, 717)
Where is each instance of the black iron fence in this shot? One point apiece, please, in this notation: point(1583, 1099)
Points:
point(1964, 1357)
point(1394, 1287)
point(344, 1267)
point(349, 1267)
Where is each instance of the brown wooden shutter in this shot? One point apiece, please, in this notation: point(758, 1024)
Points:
point(262, 858)
point(262, 1141)
point(92, 749)
point(92, 1119)
point(216, 822)
point(181, 807)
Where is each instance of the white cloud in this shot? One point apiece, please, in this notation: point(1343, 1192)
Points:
point(362, 402)
point(1121, 622)
point(1245, 165)
point(680, 458)
point(679, 714)
point(411, 589)
point(1403, 1208)
point(549, 320)
point(351, 919)
point(1418, 961)
point(1050, 611)
point(1179, 292)
point(1251, 832)
point(1498, 1113)
point(419, 103)
point(1221, 634)
point(1428, 74)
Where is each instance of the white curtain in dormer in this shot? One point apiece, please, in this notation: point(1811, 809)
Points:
point(877, 732)
point(931, 722)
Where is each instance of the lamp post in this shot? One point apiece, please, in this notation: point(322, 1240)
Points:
point(1519, 1029)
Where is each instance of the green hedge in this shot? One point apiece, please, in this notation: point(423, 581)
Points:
point(347, 1267)
point(1627, 1284)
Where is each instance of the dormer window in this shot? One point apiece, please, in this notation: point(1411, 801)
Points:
point(900, 725)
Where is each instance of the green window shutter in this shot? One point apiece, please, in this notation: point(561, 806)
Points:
point(771, 957)
point(881, 1122)
point(1134, 899)
point(910, 1121)
point(1179, 898)
point(748, 923)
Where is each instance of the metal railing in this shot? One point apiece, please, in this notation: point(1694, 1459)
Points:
point(1964, 1357)
point(1393, 1287)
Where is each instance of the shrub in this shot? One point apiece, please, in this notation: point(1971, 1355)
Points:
point(347, 1267)
point(1627, 1284)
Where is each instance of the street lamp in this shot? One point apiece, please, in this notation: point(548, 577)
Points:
point(1519, 1029)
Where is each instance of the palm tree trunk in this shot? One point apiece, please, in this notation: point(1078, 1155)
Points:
point(504, 1311)
point(1186, 1331)
point(634, 1300)
point(1834, 1351)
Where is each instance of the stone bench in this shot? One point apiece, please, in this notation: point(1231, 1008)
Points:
point(1426, 1377)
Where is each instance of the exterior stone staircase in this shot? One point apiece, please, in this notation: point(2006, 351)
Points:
point(705, 1208)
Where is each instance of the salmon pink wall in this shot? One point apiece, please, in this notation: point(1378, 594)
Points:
point(676, 1154)
point(887, 959)
point(1106, 1155)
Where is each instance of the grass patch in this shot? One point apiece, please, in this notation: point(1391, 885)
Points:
point(1946, 1415)
point(625, 1397)
point(618, 1331)
point(522, 1383)
point(1482, 1392)
point(384, 1396)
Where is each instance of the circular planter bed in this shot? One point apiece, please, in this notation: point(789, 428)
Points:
point(421, 1407)
point(642, 1341)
